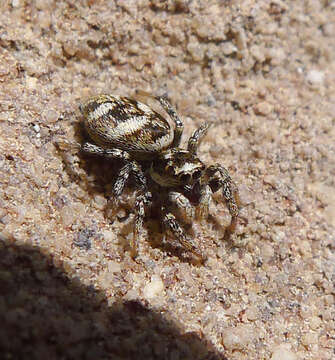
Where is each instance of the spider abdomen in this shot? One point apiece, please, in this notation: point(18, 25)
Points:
point(124, 123)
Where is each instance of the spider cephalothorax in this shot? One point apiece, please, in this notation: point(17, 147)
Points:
point(176, 167)
point(128, 130)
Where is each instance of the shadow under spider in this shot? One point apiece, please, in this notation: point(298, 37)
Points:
point(159, 237)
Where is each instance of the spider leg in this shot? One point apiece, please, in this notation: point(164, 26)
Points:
point(65, 145)
point(179, 126)
point(90, 148)
point(131, 166)
point(196, 137)
point(124, 172)
point(121, 180)
point(119, 185)
point(183, 204)
point(141, 202)
point(229, 191)
point(204, 202)
point(143, 198)
point(172, 224)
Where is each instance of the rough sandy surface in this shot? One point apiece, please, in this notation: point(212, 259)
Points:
point(263, 72)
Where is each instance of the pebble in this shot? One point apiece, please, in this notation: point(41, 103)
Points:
point(153, 288)
point(315, 78)
point(237, 338)
point(263, 108)
point(108, 235)
point(267, 252)
point(16, 3)
point(100, 202)
point(309, 339)
point(114, 267)
point(283, 352)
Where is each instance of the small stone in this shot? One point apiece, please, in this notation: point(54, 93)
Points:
point(36, 128)
point(263, 108)
point(315, 322)
point(70, 48)
point(305, 247)
point(271, 180)
point(153, 288)
point(252, 313)
point(241, 38)
point(108, 235)
point(267, 252)
point(309, 339)
point(322, 192)
point(43, 4)
point(83, 239)
point(237, 338)
point(277, 56)
point(16, 3)
point(258, 53)
point(100, 202)
point(114, 267)
point(283, 352)
point(50, 115)
point(246, 195)
point(315, 78)
point(31, 82)
point(229, 48)
point(196, 51)
point(107, 277)
point(330, 214)
point(67, 215)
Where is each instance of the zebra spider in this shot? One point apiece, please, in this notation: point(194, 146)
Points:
point(148, 147)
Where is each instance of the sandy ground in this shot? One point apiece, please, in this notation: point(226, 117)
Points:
point(263, 73)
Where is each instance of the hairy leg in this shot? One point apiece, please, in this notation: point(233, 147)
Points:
point(179, 126)
point(143, 200)
point(119, 186)
point(131, 167)
point(230, 193)
point(124, 172)
point(172, 224)
point(204, 202)
point(218, 177)
point(196, 137)
point(183, 204)
point(141, 203)
point(65, 145)
point(93, 149)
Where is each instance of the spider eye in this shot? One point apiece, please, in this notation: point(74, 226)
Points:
point(197, 174)
point(169, 169)
point(185, 178)
point(215, 185)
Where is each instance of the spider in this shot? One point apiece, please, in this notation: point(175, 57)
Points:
point(148, 147)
